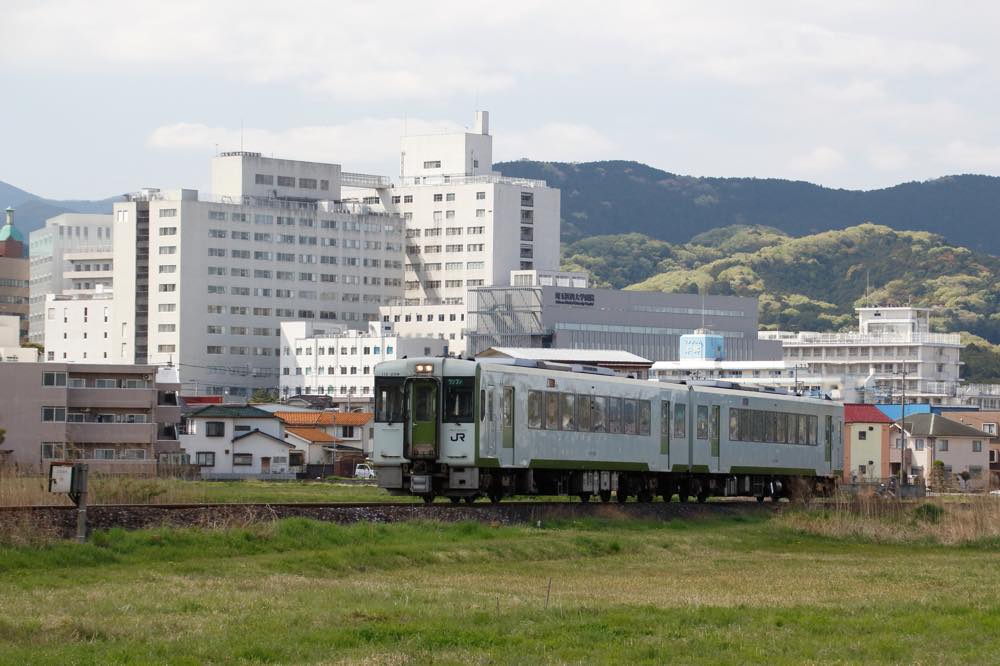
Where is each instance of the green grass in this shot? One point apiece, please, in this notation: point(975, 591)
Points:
point(742, 590)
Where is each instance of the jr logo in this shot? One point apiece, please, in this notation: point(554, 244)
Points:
point(458, 437)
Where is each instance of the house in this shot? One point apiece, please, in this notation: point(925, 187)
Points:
point(931, 437)
point(988, 422)
point(328, 455)
point(236, 441)
point(866, 449)
point(354, 429)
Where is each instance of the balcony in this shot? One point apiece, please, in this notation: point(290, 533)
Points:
point(114, 398)
point(486, 179)
point(816, 339)
point(111, 433)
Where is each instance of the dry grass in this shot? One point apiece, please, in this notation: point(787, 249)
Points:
point(936, 520)
point(18, 489)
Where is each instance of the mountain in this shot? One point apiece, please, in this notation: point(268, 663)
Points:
point(31, 210)
point(813, 282)
point(620, 197)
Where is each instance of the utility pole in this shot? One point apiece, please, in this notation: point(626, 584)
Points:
point(902, 430)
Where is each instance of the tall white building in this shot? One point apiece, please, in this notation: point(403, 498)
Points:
point(71, 255)
point(78, 327)
point(467, 226)
point(319, 360)
point(870, 364)
point(204, 281)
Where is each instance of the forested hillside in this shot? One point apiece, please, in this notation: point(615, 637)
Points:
point(808, 283)
point(621, 197)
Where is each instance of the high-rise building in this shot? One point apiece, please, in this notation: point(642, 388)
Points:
point(13, 273)
point(467, 226)
point(205, 281)
point(70, 256)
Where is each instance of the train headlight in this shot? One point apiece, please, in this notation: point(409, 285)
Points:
point(424, 368)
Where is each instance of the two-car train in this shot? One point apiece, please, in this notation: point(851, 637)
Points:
point(465, 429)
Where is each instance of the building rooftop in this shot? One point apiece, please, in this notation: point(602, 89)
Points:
point(855, 413)
point(588, 356)
point(935, 425)
point(313, 435)
point(231, 412)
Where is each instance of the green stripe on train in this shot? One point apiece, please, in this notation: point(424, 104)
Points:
point(539, 463)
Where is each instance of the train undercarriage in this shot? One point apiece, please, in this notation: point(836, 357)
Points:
point(470, 483)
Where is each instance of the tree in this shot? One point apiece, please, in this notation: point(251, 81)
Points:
point(263, 395)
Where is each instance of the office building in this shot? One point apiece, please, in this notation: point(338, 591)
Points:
point(78, 327)
point(648, 324)
point(205, 281)
point(869, 365)
point(467, 226)
point(119, 418)
point(72, 256)
point(319, 360)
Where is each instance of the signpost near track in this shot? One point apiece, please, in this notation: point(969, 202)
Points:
point(71, 479)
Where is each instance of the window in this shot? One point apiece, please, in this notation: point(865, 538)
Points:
point(168, 231)
point(205, 458)
point(862, 435)
point(168, 249)
point(942, 445)
point(680, 420)
point(54, 379)
point(583, 412)
point(568, 411)
point(243, 459)
point(215, 429)
point(614, 417)
point(645, 409)
point(977, 446)
point(701, 427)
point(168, 212)
point(286, 181)
point(388, 400)
point(433, 164)
point(459, 399)
point(598, 411)
point(534, 409)
point(552, 411)
point(527, 199)
point(53, 451)
point(630, 413)
point(480, 196)
point(990, 428)
point(307, 183)
point(975, 471)
point(53, 414)
point(262, 179)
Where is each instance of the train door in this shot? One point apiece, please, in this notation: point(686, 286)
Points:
point(489, 430)
point(715, 434)
point(507, 420)
point(665, 433)
point(422, 430)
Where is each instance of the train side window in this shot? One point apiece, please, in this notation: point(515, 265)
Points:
point(583, 410)
point(388, 400)
point(568, 411)
point(665, 418)
point(534, 409)
point(782, 434)
point(552, 410)
point(801, 426)
point(598, 413)
point(644, 416)
point(701, 428)
point(746, 425)
point(482, 404)
point(490, 409)
point(770, 425)
point(680, 420)
point(734, 424)
point(814, 430)
point(629, 412)
point(459, 399)
point(614, 415)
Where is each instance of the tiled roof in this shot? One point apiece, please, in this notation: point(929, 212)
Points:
point(262, 434)
point(935, 425)
point(325, 418)
point(231, 412)
point(313, 435)
point(306, 418)
point(864, 414)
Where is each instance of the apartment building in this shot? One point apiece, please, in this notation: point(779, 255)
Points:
point(13, 273)
point(869, 365)
point(962, 449)
point(467, 226)
point(78, 327)
point(72, 256)
point(318, 360)
point(204, 281)
point(116, 417)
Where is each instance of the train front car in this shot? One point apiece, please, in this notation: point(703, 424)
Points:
point(425, 427)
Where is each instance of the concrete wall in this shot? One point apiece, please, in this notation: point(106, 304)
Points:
point(872, 452)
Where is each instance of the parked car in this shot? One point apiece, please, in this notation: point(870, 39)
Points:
point(364, 471)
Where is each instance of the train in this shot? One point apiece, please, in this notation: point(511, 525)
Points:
point(466, 429)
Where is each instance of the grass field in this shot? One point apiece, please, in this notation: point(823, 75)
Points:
point(717, 591)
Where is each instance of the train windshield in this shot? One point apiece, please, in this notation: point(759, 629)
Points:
point(459, 399)
point(388, 399)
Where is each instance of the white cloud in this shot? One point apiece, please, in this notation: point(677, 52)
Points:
point(970, 156)
point(819, 160)
point(564, 142)
point(888, 158)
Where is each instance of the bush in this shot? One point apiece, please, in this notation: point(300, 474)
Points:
point(929, 513)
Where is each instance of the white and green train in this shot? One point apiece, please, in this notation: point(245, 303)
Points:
point(465, 429)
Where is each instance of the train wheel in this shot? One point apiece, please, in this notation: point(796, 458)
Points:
point(645, 496)
point(496, 497)
point(470, 499)
point(605, 496)
point(760, 498)
point(621, 496)
point(702, 497)
point(585, 497)
point(455, 500)
point(428, 499)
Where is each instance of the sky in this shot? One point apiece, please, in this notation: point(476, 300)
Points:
point(101, 97)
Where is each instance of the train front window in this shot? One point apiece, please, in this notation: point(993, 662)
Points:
point(459, 399)
point(388, 400)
